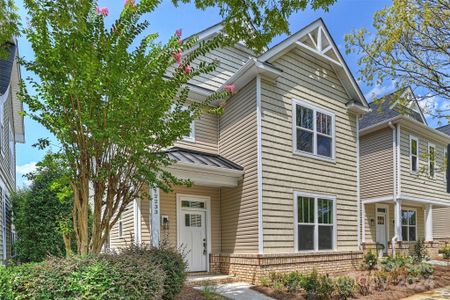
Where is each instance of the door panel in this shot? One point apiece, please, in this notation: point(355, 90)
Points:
point(381, 228)
point(193, 238)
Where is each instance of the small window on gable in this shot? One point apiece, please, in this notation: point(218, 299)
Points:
point(313, 130)
point(414, 154)
point(191, 136)
point(431, 160)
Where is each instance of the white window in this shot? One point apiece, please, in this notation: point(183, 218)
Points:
point(445, 164)
point(120, 227)
point(12, 162)
point(191, 136)
point(431, 160)
point(414, 153)
point(313, 130)
point(315, 225)
point(409, 223)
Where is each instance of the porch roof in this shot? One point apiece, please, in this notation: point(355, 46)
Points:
point(204, 168)
point(182, 155)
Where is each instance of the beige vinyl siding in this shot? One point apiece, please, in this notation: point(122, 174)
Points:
point(376, 164)
point(371, 215)
point(238, 142)
point(168, 204)
point(421, 185)
point(305, 78)
point(206, 134)
point(230, 60)
point(145, 219)
point(127, 229)
point(441, 225)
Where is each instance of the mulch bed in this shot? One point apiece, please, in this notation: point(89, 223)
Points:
point(440, 278)
point(190, 293)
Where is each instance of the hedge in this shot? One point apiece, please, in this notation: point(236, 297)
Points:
point(135, 273)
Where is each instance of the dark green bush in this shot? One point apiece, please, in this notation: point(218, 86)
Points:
point(370, 260)
point(420, 251)
point(126, 275)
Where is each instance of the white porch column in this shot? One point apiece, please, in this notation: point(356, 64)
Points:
point(363, 220)
point(429, 223)
point(155, 215)
point(398, 220)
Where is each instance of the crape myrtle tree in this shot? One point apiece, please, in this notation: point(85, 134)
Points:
point(113, 99)
point(410, 46)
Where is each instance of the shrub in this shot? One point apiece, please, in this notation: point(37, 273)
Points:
point(370, 260)
point(364, 285)
point(420, 251)
point(293, 281)
point(135, 273)
point(345, 287)
point(264, 281)
point(446, 252)
point(318, 286)
point(426, 270)
point(381, 280)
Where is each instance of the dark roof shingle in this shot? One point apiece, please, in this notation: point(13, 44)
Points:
point(6, 68)
point(382, 111)
point(201, 158)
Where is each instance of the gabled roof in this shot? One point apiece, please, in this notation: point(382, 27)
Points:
point(186, 156)
point(445, 129)
point(387, 107)
point(316, 39)
point(9, 83)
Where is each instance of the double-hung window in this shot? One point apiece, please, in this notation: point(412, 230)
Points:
point(409, 224)
point(313, 130)
point(414, 154)
point(315, 222)
point(431, 160)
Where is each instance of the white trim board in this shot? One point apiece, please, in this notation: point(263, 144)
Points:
point(259, 165)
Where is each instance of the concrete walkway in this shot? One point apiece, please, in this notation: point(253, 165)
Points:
point(238, 291)
point(437, 294)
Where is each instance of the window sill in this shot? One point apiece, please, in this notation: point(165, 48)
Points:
point(315, 156)
point(315, 251)
point(189, 140)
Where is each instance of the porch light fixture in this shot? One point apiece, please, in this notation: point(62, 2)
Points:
point(372, 222)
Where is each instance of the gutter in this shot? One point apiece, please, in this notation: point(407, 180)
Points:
point(394, 150)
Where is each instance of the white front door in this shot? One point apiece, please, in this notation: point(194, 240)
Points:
point(381, 227)
point(192, 235)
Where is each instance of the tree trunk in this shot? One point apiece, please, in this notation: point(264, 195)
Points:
point(67, 244)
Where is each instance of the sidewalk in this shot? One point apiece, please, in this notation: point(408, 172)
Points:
point(437, 294)
point(238, 291)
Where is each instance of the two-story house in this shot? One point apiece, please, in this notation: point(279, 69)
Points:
point(11, 132)
point(276, 176)
point(403, 175)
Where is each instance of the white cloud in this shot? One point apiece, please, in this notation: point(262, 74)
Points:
point(380, 90)
point(23, 170)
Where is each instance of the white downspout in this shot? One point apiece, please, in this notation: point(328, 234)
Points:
point(394, 143)
point(358, 194)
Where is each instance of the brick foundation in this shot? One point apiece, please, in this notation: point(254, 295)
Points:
point(407, 248)
point(251, 267)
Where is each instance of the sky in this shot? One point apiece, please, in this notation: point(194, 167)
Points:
point(342, 18)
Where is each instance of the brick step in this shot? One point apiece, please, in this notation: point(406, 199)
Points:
point(197, 279)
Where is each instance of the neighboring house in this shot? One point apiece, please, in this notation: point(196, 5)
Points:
point(441, 225)
point(403, 175)
point(11, 132)
point(275, 176)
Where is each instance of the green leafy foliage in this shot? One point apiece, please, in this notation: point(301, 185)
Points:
point(445, 252)
point(258, 22)
point(131, 274)
point(293, 281)
point(42, 212)
point(318, 286)
point(9, 25)
point(345, 287)
point(408, 47)
point(370, 260)
point(420, 251)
